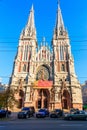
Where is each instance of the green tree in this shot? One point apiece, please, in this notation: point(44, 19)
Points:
point(1, 99)
point(7, 98)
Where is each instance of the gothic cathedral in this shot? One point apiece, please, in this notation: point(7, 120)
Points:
point(44, 77)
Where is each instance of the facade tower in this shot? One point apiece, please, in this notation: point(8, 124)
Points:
point(45, 77)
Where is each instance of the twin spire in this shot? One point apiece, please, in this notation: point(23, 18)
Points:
point(60, 28)
point(31, 18)
point(30, 29)
point(59, 22)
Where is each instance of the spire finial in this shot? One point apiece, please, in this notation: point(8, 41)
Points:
point(32, 8)
point(58, 2)
point(44, 41)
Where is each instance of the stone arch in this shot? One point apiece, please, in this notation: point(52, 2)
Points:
point(21, 99)
point(43, 99)
point(65, 99)
point(46, 67)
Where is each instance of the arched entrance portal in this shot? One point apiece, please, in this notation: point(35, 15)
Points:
point(21, 100)
point(43, 98)
point(66, 100)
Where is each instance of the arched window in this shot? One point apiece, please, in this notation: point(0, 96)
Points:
point(24, 68)
point(61, 52)
point(61, 30)
point(62, 67)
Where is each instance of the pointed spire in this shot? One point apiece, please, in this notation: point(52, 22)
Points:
point(31, 18)
point(30, 30)
point(58, 3)
point(32, 8)
point(59, 22)
point(41, 44)
point(44, 41)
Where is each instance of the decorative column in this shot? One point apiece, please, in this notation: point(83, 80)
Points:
point(42, 100)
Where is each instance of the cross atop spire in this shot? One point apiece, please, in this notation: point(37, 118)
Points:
point(58, 2)
point(32, 8)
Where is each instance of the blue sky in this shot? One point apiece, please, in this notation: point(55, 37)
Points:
point(13, 18)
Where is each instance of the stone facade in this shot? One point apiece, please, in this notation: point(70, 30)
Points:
point(45, 76)
point(84, 93)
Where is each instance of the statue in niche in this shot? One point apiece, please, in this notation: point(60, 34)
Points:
point(63, 85)
point(52, 94)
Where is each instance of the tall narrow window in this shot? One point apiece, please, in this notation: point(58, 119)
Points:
point(61, 30)
point(61, 52)
point(62, 67)
point(24, 68)
point(26, 52)
point(26, 57)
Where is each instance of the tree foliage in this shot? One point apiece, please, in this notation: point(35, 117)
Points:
point(7, 98)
